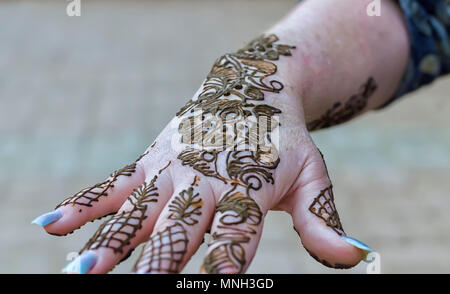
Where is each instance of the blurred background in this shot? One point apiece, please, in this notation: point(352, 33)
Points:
point(82, 96)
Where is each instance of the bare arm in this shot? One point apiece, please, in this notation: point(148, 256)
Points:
point(346, 62)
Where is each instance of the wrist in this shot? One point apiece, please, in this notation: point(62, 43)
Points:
point(339, 51)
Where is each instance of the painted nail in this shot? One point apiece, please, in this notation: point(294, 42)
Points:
point(360, 245)
point(81, 264)
point(47, 218)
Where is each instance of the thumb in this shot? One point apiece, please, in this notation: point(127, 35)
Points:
point(316, 219)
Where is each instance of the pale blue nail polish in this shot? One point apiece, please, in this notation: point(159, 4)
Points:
point(81, 264)
point(47, 218)
point(358, 244)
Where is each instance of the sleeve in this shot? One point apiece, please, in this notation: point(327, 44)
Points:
point(428, 23)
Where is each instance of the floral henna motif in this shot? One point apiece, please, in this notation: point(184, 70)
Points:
point(88, 196)
point(238, 79)
point(206, 162)
point(165, 250)
point(186, 206)
point(234, 92)
point(117, 232)
point(341, 113)
point(323, 207)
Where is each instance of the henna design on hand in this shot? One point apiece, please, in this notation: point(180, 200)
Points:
point(234, 85)
point(245, 209)
point(240, 75)
point(326, 263)
point(226, 249)
point(342, 113)
point(117, 232)
point(186, 206)
point(233, 91)
point(88, 196)
point(165, 250)
point(323, 207)
point(323, 261)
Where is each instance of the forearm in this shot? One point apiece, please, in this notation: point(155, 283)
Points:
point(346, 62)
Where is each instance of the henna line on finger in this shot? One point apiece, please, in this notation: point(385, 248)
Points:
point(71, 232)
point(226, 250)
point(323, 207)
point(164, 252)
point(322, 261)
point(185, 207)
point(326, 263)
point(88, 196)
point(117, 232)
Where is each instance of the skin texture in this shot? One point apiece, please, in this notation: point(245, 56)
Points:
point(280, 85)
point(343, 112)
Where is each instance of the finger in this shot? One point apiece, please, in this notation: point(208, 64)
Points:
point(235, 233)
point(179, 230)
point(117, 237)
point(317, 222)
point(94, 202)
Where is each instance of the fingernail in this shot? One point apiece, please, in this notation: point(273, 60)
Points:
point(81, 264)
point(360, 245)
point(47, 218)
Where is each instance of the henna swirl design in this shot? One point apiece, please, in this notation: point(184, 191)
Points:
point(88, 196)
point(245, 209)
point(220, 146)
point(117, 232)
point(240, 76)
point(206, 162)
point(342, 113)
point(165, 250)
point(226, 250)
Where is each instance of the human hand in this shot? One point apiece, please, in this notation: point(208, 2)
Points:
point(239, 148)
